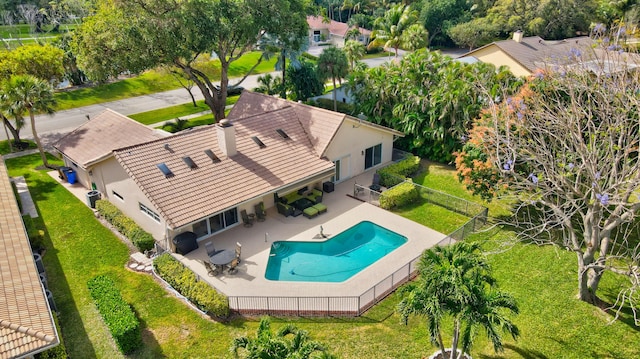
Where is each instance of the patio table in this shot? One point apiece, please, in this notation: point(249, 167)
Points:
point(223, 257)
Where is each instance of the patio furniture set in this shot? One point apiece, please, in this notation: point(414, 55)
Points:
point(248, 218)
point(221, 259)
point(302, 202)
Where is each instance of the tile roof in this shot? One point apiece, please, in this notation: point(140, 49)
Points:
point(320, 124)
point(334, 27)
point(26, 324)
point(95, 139)
point(192, 194)
point(533, 52)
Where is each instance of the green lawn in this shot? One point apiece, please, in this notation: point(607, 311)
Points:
point(170, 113)
point(553, 323)
point(152, 82)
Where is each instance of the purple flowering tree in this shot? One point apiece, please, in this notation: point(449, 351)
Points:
point(566, 152)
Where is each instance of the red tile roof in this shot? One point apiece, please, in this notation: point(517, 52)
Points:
point(193, 194)
point(334, 27)
point(26, 324)
point(95, 139)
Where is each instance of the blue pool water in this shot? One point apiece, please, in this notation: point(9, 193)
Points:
point(333, 260)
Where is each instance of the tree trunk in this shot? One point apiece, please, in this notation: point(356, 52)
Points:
point(220, 98)
point(14, 132)
point(283, 91)
point(456, 335)
point(588, 280)
point(335, 101)
point(193, 98)
point(37, 139)
point(442, 347)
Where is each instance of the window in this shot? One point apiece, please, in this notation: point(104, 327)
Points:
point(316, 36)
point(118, 195)
point(146, 210)
point(372, 156)
point(215, 223)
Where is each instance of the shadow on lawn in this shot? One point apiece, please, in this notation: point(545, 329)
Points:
point(67, 309)
point(524, 353)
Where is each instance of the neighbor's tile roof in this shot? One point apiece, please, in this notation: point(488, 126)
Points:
point(95, 139)
point(26, 324)
point(533, 52)
point(334, 27)
point(321, 125)
point(192, 194)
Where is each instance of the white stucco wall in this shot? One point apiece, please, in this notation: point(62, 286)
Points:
point(350, 143)
point(110, 177)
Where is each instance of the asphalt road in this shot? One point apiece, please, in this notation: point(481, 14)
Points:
point(52, 127)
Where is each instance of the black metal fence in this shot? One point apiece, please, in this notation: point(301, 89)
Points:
point(357, 305)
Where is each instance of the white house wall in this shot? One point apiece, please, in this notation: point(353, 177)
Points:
point(110, 177)
point(351, 141)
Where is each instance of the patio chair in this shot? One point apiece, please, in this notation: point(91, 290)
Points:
point(260, 213)
point(211, 249)
point(248, 222)
point(375, 183)
point(212, 270)
point(232, 268)
point(238, 251)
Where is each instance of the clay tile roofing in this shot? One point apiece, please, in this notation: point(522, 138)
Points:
point(334, 27)
point(192, 194)
point(533, 52)
point(94, 140)
point(26, 324)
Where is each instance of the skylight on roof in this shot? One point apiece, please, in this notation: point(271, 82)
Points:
point(165, 170)
point(282, 133)
point(190, 162)
point(212, 155)
point(258, 142)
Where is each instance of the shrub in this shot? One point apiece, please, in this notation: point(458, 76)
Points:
point(117, 314)
point(140, 238)
point(397, 172)
point(400, 195)
point(184, 281)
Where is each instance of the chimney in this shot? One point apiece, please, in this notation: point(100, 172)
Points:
point(517, 36)
point(226, 137)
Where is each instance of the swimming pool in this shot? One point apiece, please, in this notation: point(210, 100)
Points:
point(334, 260)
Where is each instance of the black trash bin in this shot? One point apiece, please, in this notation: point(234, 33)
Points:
point(328, 187)
point(185, 242)
point(92, 197)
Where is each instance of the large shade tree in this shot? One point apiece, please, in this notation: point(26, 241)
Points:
point(28, 94)
point(456, 282)
point(565, 152)
point(430, 97)
point(132, 36)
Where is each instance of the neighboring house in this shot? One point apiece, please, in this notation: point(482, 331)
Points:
point(333, 32)
point(199, 180)
point(94, 141)
point(26, 322)
point(523, 55)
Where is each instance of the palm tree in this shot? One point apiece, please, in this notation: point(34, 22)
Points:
point(388, 30)
point(285, 48)
point(354, 50)
point(415, 37)
point(269, 346)
point(26, 93)
point(268, 85)
point(333, 63)
point(456, 281)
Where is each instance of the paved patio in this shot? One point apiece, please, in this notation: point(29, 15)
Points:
point(343, 212)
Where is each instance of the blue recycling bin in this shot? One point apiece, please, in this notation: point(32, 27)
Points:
point(71, 176)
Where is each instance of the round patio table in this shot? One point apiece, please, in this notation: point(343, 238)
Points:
point(223, 257)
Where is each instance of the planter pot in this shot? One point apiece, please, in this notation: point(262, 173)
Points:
point(437, 355)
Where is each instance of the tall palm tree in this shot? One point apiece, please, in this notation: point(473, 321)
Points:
point(354, 50)
point(456, 281)
point(266, 345)
point(388, 30)
point(26, 93)
point(285, 48)
point(333, 63)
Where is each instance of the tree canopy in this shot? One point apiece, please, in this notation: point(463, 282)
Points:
point(132, 36)
point(333, 64)
point(565, 152)
point(430, 97)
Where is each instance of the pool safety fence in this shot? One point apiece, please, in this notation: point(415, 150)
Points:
point(354, 306)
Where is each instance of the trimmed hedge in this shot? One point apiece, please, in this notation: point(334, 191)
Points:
point(184, 281)
point(140, 238)
point(396, 173)
point(117, 314)
point(400, 195)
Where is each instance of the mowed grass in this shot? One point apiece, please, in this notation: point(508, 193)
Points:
point(155, 81)
point(177, 111)
point(553, 323)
